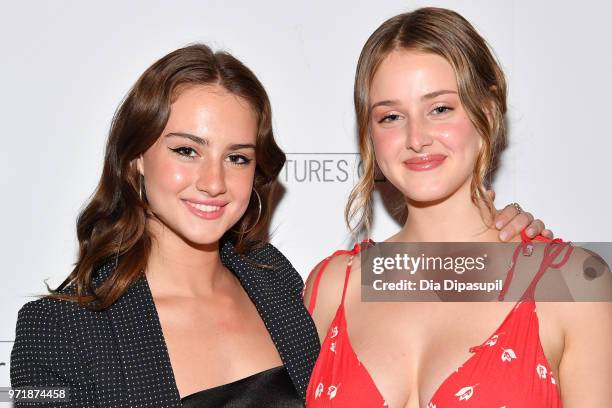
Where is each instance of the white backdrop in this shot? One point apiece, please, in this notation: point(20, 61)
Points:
point(67, 64)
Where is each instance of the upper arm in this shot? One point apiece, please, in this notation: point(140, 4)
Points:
point(33, 359)
point(585, 370)
point(329, 291)
point(43, 354)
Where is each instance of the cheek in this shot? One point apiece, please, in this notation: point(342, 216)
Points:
point(388, 144)
point(167, 175)
point(459, 137)
point(240, 183)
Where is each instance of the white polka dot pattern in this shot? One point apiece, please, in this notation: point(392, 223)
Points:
point(118, 357)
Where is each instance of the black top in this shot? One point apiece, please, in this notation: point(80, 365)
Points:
point(271, 389)
point(118, 357)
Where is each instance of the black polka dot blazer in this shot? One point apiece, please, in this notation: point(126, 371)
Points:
point(118, 357)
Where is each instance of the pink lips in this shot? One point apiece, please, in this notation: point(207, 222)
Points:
point(206, 214)
point(425, 162)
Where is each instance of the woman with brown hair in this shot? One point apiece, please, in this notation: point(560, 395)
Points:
point(430, 100)
point(174, 293)
point(175, 300)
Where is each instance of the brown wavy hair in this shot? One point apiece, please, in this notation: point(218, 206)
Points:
point(481, 85)
point(112, 226)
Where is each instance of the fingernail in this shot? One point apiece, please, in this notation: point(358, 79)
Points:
point(498, 224)
point(503, 236)
point(530, 232)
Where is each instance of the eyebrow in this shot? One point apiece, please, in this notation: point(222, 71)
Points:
point(194, 138)
point(238, 146)
point(437, 93)
point(204, 142)
point(431, 95)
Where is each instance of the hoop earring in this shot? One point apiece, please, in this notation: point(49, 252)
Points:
point(258, 215)
point(140, 183)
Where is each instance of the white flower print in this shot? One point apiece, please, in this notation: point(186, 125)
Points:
point(541, 370)
point(319, 390)
point(508, 354)
point(552, 380)
point(431, 405)
point(334, 332)
point(331, 391)
point(332, 347)
point(492, 341)
point(465, 393)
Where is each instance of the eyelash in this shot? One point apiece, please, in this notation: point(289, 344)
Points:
point(395, 115)
point(183, 148)
point(447, 109)
point(384, 119)
point(245, 160)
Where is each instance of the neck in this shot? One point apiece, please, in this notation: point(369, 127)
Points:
point(452, 219)
point(176, 267)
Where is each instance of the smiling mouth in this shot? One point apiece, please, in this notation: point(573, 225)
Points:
point(423, 163)
point(204, 207)
point(206, 211)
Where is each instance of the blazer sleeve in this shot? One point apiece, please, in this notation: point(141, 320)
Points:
point(44, 355)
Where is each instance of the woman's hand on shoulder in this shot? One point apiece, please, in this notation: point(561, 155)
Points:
point(510, 221)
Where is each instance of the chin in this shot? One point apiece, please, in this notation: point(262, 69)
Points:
point(427, 194)
point(428, 189)
point(425, 198)
point(203, 238)
point(198, 233)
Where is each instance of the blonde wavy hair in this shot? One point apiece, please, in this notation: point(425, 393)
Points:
point(481, 87)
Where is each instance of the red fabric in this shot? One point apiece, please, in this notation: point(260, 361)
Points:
point(509, 369)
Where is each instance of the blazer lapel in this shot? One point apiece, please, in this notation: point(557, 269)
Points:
point(146, 364)
point(149, 378)
point(282, 310)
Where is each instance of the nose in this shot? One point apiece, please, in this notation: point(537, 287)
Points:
point(418, 136)
point(211, 177)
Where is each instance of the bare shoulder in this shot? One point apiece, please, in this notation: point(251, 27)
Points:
point(330, 273)
point(589, 281)
point(587, 275)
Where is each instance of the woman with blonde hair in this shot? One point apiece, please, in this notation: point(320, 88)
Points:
point(430, 101)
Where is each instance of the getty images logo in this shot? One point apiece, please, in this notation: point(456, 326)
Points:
point(340, 167)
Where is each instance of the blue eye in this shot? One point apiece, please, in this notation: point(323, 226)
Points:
point(184, 151)
point(389, 118)
point(441, 109)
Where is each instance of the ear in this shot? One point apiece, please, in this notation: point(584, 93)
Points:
point(139, 162)
point(490, 104)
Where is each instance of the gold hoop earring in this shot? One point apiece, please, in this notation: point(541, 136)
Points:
point(258, 215)
point(140, 183)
